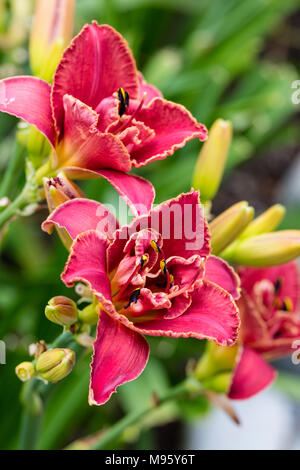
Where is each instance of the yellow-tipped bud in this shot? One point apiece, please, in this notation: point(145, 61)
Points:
point(55, 364)
point(62, 311)
point(269, 249)
point(25, 371)
point(229, 225)
point(215, 360)
point(51, 33)
point(59, 190)
point(266, 222)
point(212, 159)
point(89, 314)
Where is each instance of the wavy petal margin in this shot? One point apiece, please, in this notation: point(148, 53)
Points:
point(120, 355)
point(174, 126)
point(96, 64)
point(212, 315)
point(87, 263)
point(137, 192)
point(81, 215)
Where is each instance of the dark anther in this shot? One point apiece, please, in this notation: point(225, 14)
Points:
point(123, 101)
point(277, 285)
point(144, 260)
point(163, 267)
point(287, 305)
point(134, 297)
point(155, 246)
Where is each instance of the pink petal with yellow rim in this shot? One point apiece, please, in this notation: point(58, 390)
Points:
point(120, 355)
point(28, 98)
point(212, 315)
point(174, 126)
point(87, 263)
point(96, 64)
point(80, 215)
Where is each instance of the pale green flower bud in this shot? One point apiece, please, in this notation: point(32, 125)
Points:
point(51, 33)
point(269, 249)
point(55, 364)
point(212, 159)
point(62, 311)
point(229, 225)
point(266, 222)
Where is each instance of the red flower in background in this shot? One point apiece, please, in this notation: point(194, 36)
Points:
point(100, 116)
point(270, 323)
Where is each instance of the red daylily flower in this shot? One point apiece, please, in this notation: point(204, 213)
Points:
point(100, 116)
point(148, 280)
point(270, 323)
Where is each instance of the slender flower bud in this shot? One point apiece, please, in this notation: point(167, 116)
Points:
point(215, 367)
point(269, 249)
point(62, 311)
point(25, 371)
point(212, 159)
point(227, 226)
point(215, 359)
point(266, 222)
point(51, 33)
point(57, 191)
point(55, 364)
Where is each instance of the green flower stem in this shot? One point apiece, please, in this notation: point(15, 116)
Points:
point(188, 386)
point(30, 428)
point(14, 163)
point(29, 194)
point(19, 203)
point(35, 395)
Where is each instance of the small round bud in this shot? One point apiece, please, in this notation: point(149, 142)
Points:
point(55, 364)
point(62, 311)
point(25, 371)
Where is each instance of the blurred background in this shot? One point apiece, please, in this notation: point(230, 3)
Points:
point(234, 59)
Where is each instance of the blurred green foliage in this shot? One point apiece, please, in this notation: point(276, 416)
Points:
point(220, 59)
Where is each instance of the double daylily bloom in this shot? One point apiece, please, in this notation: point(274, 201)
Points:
point(149, 279)
point(270, 323)
point(100, 116)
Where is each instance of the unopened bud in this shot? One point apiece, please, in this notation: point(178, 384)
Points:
point(212, 159)
point(220, 383)
point(57, 191)
point(51, 33)
point(216, 359)
point(62, 311)
point(266, 222)
point(25, 371)
point(38, 146)
point(229, 225)
point(89, 314)
point(269, 249)
point(55, 364)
